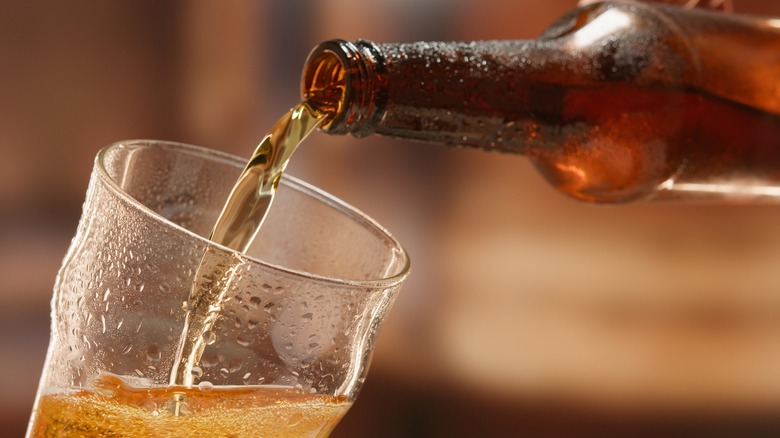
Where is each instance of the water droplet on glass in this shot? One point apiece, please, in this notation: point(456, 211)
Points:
point(224, 372)
point(246, 378)
point(244, 341)
point(209, 360)
point(252, 323)
point(254, 302)
point(197, 372)
point(235, 365)
point(307, 317)
point(205, 386)
point(153, 352)
point(106, 294)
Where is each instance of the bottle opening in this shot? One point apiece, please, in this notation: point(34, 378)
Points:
point(345, 80)
point(324, 84)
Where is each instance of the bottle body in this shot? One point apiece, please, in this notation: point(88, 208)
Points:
point(614, 102)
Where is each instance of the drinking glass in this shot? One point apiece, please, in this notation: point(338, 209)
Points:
point(300, 311)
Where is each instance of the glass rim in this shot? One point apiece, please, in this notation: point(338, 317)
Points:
point(287, 180)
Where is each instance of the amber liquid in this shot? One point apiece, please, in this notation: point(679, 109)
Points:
point(236, 228)
point(605, 146)
point(115, 408)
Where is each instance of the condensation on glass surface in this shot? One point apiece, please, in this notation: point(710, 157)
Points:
point(121, 295)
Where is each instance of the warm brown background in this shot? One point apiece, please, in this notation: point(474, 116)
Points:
point(526, 311)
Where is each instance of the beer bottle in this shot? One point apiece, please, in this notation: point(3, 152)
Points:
point(616, 101)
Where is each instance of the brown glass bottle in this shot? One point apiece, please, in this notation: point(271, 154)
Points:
point(614, 102)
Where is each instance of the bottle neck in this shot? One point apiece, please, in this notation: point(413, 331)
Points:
point(489, 95)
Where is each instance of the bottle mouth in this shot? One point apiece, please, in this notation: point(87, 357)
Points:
point(324, 83)
point(340, 79)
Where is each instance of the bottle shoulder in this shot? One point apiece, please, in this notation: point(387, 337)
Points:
point(726, 56)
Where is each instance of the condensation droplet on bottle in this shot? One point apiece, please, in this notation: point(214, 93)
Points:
point(307, 317)
point(205, 386)
point(246, 377)
point(252, 323)
point(106, 294)
point(254, 302)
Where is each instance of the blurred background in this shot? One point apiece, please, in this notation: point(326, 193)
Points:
point(526, 312)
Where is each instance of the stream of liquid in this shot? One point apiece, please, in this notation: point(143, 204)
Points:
point(236, 228)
